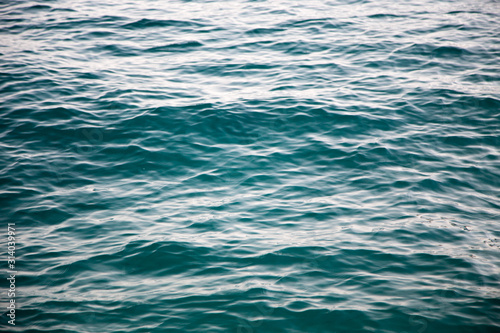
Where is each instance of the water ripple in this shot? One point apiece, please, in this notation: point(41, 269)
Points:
point(252, 166)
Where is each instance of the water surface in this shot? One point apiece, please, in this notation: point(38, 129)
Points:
point(252, 166)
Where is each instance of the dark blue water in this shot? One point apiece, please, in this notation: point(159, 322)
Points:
point(251, 166)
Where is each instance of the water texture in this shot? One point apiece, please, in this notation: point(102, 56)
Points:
point(251, 166)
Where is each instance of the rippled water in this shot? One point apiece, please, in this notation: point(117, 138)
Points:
point(252, 166)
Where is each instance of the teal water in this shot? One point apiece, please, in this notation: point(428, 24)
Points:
point(251, 166)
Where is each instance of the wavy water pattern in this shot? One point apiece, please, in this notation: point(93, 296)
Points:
point(252, 166)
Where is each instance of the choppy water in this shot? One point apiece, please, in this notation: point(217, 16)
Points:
point(252, 166)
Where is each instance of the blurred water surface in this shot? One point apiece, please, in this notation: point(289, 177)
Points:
point(252, 166)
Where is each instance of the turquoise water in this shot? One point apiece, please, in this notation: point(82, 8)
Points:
point(251, 166)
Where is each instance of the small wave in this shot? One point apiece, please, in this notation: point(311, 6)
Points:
point(175, 47)
point(153, 23)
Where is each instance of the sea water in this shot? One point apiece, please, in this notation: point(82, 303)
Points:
point(251, 166)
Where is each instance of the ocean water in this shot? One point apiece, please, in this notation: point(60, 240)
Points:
point(251, 166)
